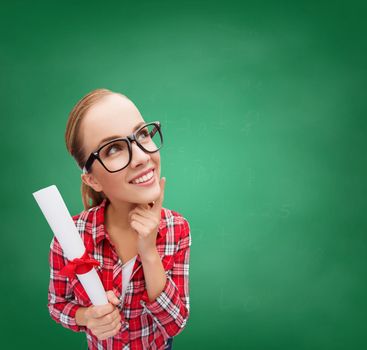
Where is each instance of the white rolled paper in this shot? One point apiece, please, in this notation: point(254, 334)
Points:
point(62, 224)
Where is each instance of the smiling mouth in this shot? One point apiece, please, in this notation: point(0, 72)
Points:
point(146, 179)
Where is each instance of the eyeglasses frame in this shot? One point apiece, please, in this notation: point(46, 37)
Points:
point(129, 139)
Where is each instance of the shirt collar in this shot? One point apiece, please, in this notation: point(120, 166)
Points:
point(99, 230)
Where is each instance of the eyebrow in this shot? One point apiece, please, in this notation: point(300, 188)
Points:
point(118, 136)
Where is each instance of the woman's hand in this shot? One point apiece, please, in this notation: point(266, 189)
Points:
point(104, 320)
point(145, 221)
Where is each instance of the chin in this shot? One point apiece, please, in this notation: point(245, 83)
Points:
point(149, 199)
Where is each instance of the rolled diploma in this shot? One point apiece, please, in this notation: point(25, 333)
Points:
point(58, 217)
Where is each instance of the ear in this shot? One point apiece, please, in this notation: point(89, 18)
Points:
point(91, 181)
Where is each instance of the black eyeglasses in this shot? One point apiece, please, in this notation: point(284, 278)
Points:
point(116, 154)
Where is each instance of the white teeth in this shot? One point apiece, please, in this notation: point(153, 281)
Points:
point(143, 178)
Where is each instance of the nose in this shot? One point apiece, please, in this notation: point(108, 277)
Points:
point(138, 156)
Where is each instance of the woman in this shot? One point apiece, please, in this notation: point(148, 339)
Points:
point(143, 249)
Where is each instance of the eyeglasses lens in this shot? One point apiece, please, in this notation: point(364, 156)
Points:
point(115, 155)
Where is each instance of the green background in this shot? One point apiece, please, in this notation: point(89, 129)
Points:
point(263, 106)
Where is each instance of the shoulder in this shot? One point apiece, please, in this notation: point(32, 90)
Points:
point(172, 218)
point(86, 222)
point(177, 225)
point(86, 217)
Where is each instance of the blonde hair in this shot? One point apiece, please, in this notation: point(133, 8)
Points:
point(74, 145)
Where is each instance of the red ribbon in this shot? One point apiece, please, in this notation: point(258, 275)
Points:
point(79, 266)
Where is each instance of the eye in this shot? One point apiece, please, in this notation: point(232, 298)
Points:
point(143, 134)
point(114, 148)
point(110, 149)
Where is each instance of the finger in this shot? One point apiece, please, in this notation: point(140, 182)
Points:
point(146, 213)
point(102, 310)
point(107, 327)
point(109, 322)
point(98, 328)
point(158, 203)
point(112, 298)
point(139, 227)
point(110, 333)
point(136, 217)
point(148, 219)
point(108, 319)
point(138, 210)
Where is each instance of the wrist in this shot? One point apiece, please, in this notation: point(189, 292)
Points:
point(150, 257)
point(80, 316)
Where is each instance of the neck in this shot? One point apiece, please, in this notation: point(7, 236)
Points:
point(117, 215)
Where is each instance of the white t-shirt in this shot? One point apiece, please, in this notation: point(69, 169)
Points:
point(127, 269)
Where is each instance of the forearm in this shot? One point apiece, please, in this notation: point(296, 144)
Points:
point(65, 314)
point(170, 309)
point(154, 274)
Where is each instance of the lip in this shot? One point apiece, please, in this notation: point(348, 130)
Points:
point(146, 184)
point(141, 174)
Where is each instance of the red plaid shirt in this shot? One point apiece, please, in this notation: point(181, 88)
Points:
point(145, 325)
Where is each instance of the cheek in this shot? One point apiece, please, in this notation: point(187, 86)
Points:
point(156, 159)
point(114, 181)
point(157, 163)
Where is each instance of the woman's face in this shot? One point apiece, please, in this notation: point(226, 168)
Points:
point(117, 116)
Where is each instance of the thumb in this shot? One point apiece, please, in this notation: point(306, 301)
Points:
point(112, 298)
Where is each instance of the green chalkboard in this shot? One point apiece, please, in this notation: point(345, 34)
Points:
point(263, 106)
